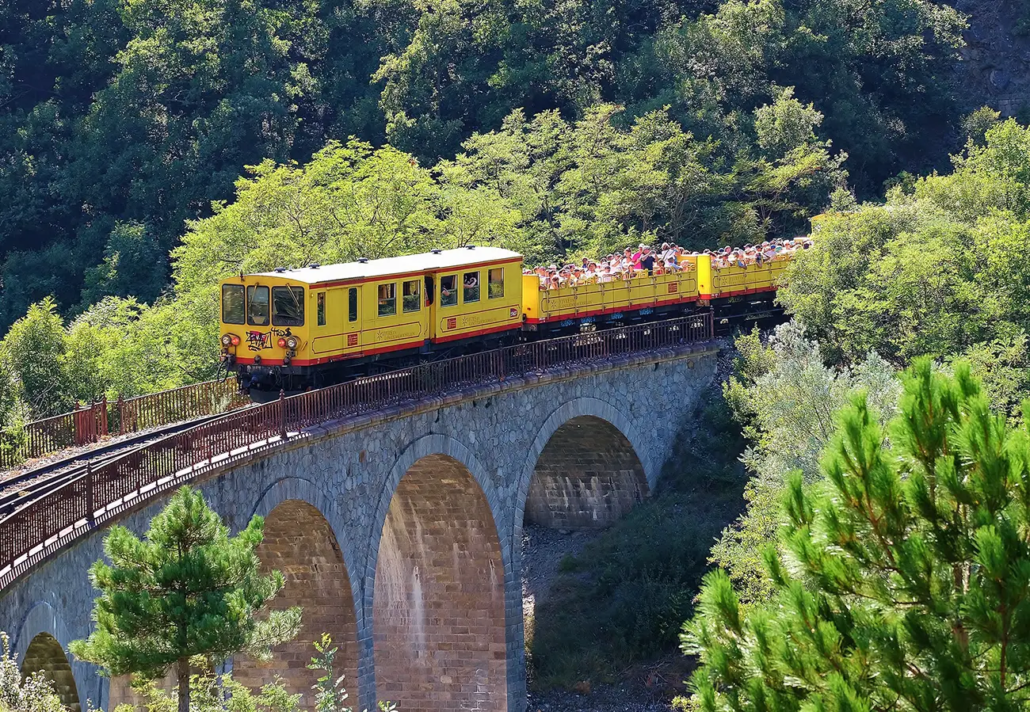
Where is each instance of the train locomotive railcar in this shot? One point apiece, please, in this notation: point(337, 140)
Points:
point(294, 329)
point(301, 328)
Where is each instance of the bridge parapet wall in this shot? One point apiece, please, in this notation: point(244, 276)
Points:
point(350, 471)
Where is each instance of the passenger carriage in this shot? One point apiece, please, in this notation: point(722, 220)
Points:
point(295, 329)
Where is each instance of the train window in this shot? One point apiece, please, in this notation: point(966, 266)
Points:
point(232, 304)
point(412, 296)
point(387, 299)
point(448, 291)
point(470, 287)
point(495, 283)
point(321, 308)
point(429, 288)
point(352, 304)
point(288, 306)
point(257, 306)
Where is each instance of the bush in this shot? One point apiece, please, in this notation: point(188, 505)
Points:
point(34, 693)
point(786, 398)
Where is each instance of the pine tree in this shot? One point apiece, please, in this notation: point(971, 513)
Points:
point(902, 580)
point(187, 589)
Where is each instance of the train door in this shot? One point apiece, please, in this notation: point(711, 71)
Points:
point(351, 316)
point(328, 332)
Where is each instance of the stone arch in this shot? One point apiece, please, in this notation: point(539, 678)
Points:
point(440, 587)
point(301, 542)
point(605, 418)
point(44, 654)
point(42, 619)
point(587, 466)
point(587, 476)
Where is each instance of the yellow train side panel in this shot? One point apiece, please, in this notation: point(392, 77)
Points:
point(531, 297)
point(493, 305)
point(749, 279)
point(641, 292)
point(389, 321)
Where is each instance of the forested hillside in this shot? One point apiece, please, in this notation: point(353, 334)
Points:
point(121, 120)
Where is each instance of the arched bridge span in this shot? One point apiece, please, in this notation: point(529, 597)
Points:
point(400, 531)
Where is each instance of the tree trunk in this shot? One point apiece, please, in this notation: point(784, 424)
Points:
point(182, 672)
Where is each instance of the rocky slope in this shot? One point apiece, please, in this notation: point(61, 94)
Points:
point(994, 69)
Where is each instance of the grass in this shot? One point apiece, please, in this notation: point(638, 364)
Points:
point(623, 601)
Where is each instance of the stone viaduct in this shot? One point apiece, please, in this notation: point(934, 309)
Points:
point(400, 534)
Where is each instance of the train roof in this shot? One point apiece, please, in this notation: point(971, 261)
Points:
point(386, 267)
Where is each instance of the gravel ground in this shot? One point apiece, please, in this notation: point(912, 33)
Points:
point(608, 698)
point(542, 552)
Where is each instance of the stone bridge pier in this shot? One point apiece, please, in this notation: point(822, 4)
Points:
point(400, 532)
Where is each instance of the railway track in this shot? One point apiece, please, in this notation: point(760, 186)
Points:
point(34, 484)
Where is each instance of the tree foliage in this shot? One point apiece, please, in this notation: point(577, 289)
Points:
point(186, 589)
point(31, 693)
point(940, 269)
point(211, 692)
point(120, 122)
point(787, 399)
point(903, 579)
point(34, 353)
point(330, 695)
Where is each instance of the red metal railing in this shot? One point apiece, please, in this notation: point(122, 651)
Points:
point(151, 411)
point(87, 424)
point(29, 534)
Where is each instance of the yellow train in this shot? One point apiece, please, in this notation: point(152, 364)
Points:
point(294, 329)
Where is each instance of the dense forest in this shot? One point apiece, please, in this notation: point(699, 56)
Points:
point(123, 120)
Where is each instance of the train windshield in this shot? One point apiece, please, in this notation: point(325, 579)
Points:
point(232, 304)
point(288, 306)
point(257, 306)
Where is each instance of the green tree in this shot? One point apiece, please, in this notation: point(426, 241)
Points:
point(134, 266)
point(186, 589)
point(977, 123)
point(34, 352)
point(859, 64)
point(937, 270)
point(903, 581)
point(786, 398)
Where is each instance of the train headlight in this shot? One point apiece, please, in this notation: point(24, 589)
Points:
point(226, 340)
point(235, 340)
point(282, 343)
point(292, 342)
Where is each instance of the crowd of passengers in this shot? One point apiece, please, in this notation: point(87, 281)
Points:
point(669, 259)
